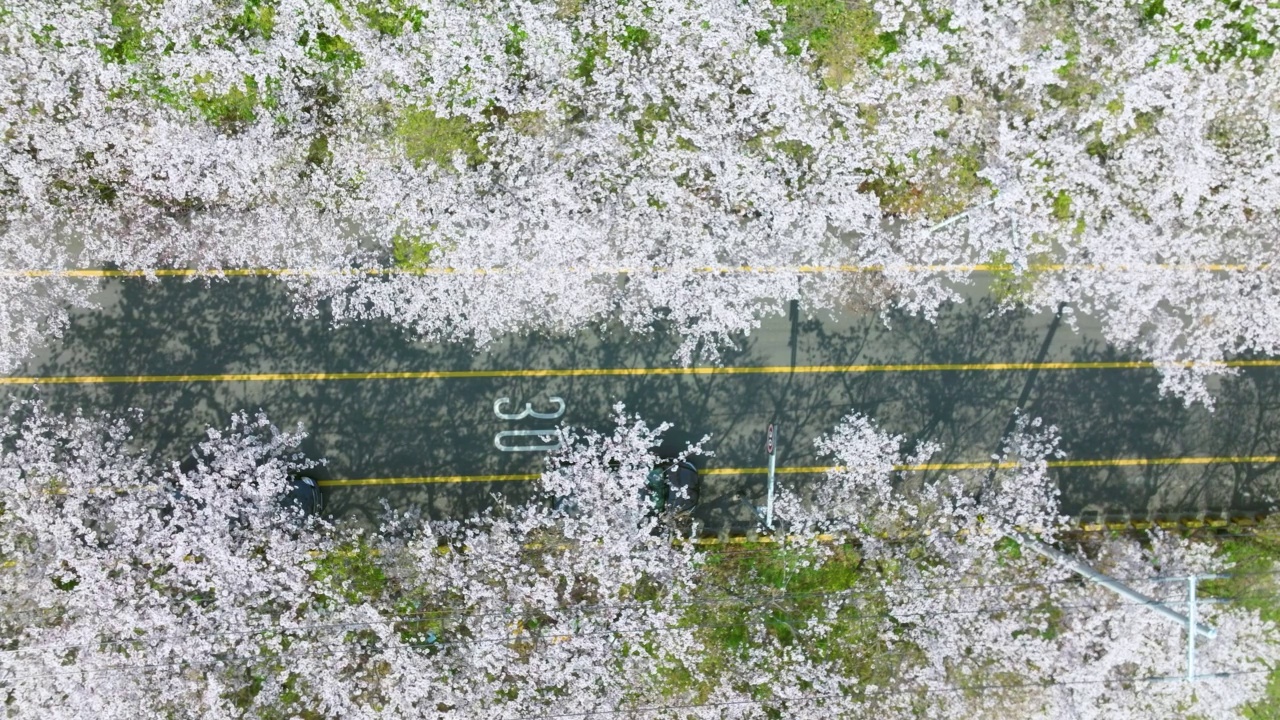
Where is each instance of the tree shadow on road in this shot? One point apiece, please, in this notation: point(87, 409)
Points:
point(393, 428)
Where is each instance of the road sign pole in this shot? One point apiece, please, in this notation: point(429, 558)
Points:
point(772, 448)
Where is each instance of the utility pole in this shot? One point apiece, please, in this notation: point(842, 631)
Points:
point(1084, 570)
point(1192, 609)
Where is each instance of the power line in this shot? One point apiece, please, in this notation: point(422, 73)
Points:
point(552, 636)
point(604, 607)
point(756, 600)
point(824, 696)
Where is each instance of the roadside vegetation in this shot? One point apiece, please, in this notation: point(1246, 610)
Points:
point(1255, 584)
point(888, 597)
point(563, 140)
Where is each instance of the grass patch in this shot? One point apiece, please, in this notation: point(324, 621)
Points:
point(947, 184)
point(431, 138)
point(842, 34)
point(230, 111)
point(1008, 285)
point(352, 570)
point(130, 37)
point(776, 597)
point(391, 17)
point(1254, 586)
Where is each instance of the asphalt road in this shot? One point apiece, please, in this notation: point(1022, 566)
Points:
point(431, 438)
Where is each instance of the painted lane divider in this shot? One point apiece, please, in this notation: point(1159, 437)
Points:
point(618, 372)
point(818, 469)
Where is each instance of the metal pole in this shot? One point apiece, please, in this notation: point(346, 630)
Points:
point(1118, 587)
point(960, 216)
point(1191, 623)
point(768, 503)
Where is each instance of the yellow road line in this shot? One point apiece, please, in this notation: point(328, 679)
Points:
point(432, 480)
point(802, 269)
point(1127, 462)
point(613, 372)
point(818, 469)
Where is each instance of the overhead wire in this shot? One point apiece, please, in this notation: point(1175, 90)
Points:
point(874, 693)
point(728, 599)
point(562, 637)
point(324, 647)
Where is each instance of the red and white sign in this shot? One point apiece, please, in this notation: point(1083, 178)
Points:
point(768, 442)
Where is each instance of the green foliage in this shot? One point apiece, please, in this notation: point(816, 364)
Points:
point(331, 49)
point(431, 138)
point(352, 570)
point(842, 34)
point(593, 48)
point(126, 18)
point(1077, 85)
point(1062, 206)
point(1007, 547)
point(287, 705)
point(390, 17)
point(411, 252)
point(256, 20)
point(634, 37)
point(647, 124)
point(65, 583)
point(427, 626)
point(229, 111)
point(784, 591)
point(92, 188)
point(515, 44)
point(796, 150)
point(947, 184)
point(1253, 584)
point(318, 152)
point(1153, 10)
point(1243, 41)
point(1144, 123)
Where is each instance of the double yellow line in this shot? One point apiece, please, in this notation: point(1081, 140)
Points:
point(818, 469)
point(616, 372)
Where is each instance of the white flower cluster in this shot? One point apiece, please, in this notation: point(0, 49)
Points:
point(131, 590)
point(529, 151)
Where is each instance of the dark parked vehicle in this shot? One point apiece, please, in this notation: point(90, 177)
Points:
point(305, 493)
point(674, 486)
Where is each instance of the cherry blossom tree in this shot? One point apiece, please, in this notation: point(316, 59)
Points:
point(983, 613)
point(34, 309)
point(118, 572)
point(131, 588)
point(539, 165)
